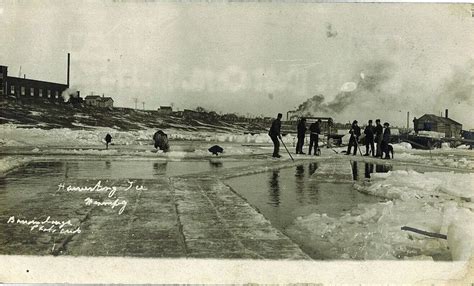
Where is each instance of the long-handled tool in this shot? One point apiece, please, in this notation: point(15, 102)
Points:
point(357, 144)
point(287, 149)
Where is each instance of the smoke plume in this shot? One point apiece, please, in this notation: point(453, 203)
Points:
point(367, 86)
point(69, 93)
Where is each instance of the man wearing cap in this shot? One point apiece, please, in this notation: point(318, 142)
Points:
point(301, 134)
point(378, 138)
point(369, 139)
point(353, 141)
point(315, 129)
point(274, 134)
point(386, 140)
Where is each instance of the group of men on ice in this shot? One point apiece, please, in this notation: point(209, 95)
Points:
point(373, 134)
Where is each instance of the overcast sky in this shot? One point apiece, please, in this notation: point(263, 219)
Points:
point(252, 58)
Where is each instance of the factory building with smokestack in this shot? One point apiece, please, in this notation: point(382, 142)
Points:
point(24, 88)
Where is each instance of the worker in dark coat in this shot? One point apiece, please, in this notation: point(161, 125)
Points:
point(274, 134)
point(386, 140)
point(353, 141)
point(378, 138)
point(415, 125)
point(301, 134)
point(369, 139)
point(315, 129)
point(108, 139)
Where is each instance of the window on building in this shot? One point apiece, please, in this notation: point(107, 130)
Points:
point(428, 126)
point(49, 93)
point(32, 91)
point(23, 90)
point(57, 94)
point(12, 89)
point(40, 91)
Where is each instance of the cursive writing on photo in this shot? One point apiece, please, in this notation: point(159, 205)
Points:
point(100, 188)
point(113, 204)
point(46, 225)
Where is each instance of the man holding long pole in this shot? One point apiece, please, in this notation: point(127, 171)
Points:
point(353, 141)
point(274, 134)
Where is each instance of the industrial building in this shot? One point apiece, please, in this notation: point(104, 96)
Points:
point(165, 110)
point(98, 101)
point(431, 122)
point(23, 88)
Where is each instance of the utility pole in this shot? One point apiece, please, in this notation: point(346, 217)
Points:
point(136, 101)
point(408, 120)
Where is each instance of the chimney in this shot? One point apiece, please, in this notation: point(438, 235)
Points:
point(68, 67)
point(446, 113)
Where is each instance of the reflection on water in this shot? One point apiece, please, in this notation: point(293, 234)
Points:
point(368, 169)
point(383, 168)
point(274, 187)
point(160, 167)
point(114, 169)
point(355, 173)
point(283, 195)
point(312, 167)
point(216, 163)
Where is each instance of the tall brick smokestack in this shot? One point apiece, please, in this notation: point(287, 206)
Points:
point(446, 113)
point(68, 67)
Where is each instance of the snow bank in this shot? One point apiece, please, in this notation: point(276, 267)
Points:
point(431, 134)
point(462, 163)
point(402, 147)
point(372, 232)
point(464, 147)
point(407, 185)
point(445, 145)
point(434, 202)
point(10, 163)
point(458, 223)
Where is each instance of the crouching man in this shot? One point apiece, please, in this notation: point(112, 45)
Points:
point(161, 141)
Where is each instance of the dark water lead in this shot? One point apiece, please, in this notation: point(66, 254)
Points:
point(115, 169)
point(285, 194)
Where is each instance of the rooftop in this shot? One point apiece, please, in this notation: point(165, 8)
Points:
point(436, 118)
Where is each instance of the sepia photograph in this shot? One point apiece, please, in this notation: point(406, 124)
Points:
point(268, 135)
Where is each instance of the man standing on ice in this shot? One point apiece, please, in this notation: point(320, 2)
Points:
point(108, 139)
point(301, 134)
point(386, 140)
point(274, 134)
point(353, 141)
point(315, 129)
point(369, 139)
point(378, 138)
